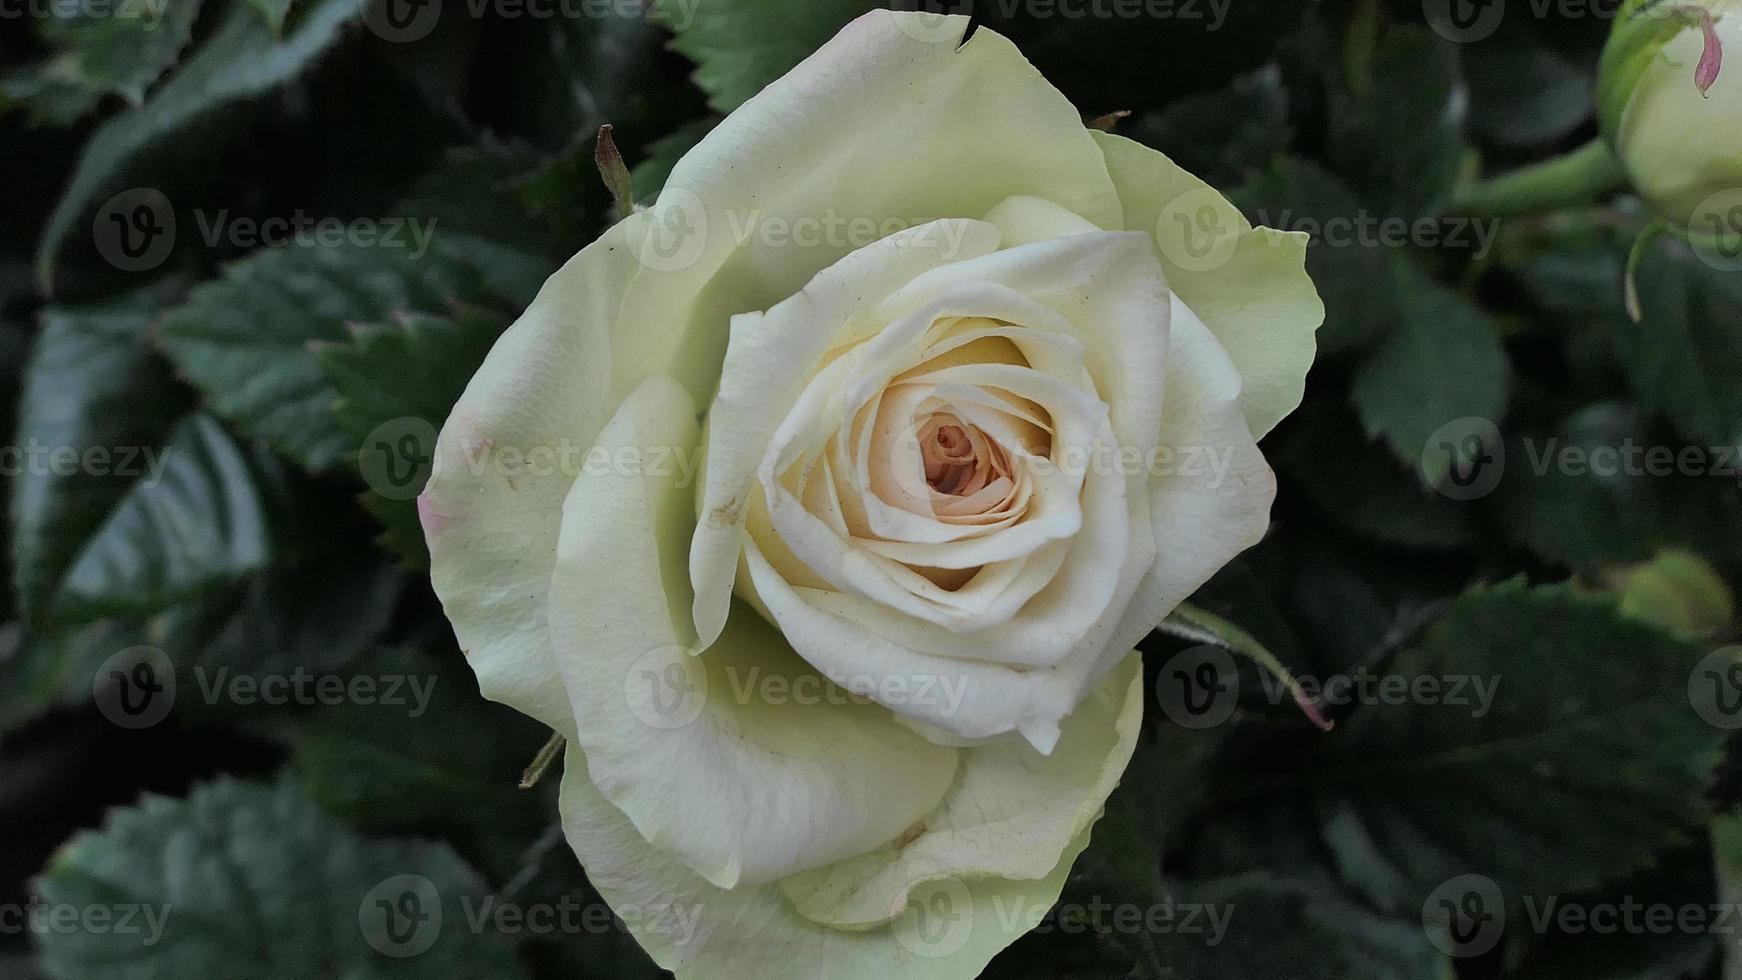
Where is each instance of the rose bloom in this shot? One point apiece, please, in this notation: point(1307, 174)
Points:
point(910, 407)
point(1670, 106)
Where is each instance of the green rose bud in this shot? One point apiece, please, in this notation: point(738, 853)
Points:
point(1669, 108)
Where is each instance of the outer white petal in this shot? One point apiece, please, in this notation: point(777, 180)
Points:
point(1011, 814)
point(950, 931)
point(1248, 284)
point(491, 523)
point(741, 786)
point(886, 125)
point(1213, 500)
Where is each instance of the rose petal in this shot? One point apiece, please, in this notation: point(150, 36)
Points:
point(741, 787)
point(491, 522)
point(832, 143)
point(1250, 287)
point(1011, 814)
point(700, 932)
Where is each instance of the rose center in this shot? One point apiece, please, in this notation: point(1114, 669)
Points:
point(959, 459)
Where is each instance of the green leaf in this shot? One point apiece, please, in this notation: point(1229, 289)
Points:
point(252, 882)
point(508, 194)
point(1352, 272)
point(127, 503)
point(1588, 760)
point(41, 671)
point(119, 52)
point(1680, 879)
point(1685, 354)
point(560, 80)
point(1355, 484)
point(356, 760)
point(1398, 135)
point(316, 617)
point(312, 618)
point(741, 45)
point(1524, 93)
point(650, 174)
point(245, 339)
point(1222, 136)
point(1568, 503)
point(1443, 362)
point(244, 59)
point(397, 380)
point(1276, 927)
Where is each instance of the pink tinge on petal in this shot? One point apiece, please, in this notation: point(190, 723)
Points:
point(432, 519)
point(1712, 58)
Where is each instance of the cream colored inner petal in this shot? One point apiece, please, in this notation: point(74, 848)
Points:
point(918, 469)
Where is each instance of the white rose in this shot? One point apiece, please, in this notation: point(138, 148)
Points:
point(974, 395)
point(1670, 108)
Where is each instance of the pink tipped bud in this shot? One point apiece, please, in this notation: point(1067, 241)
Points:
point(1712, 58)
